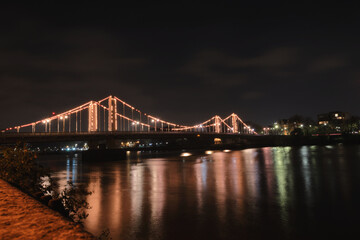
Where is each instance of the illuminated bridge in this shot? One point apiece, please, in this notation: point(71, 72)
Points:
point(112, 114)
point(112, 118)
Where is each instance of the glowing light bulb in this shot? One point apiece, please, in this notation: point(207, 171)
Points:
point(185, 154)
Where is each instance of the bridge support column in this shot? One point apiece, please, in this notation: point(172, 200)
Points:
point(112, 117)
point(234, 123)
point(217, 124)
point(33, 127)
point(93, 117)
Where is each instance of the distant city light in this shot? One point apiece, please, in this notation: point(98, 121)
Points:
point(185, 154)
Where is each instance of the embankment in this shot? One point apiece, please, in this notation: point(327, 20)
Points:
point(22, 217)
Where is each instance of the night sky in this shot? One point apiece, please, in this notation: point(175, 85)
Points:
point(179, 63)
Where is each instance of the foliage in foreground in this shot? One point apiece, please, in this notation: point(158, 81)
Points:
point(19, 167)
point(74, 201)
point(105, 235)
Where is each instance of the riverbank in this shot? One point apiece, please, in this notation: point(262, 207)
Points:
point(22, 217)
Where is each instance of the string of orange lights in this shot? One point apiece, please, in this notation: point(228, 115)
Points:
point(217, 123)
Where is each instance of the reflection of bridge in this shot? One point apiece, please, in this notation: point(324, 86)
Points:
point(112, 115)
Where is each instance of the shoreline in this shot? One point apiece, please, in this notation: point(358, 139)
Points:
point(249, 142)
point(23, 217)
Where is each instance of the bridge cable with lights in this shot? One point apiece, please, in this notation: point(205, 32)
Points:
point(112, 114)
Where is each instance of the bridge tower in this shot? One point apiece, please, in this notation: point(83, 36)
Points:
point(93, 117)
point(217, 124)
point(112, 118)
point(234, 123)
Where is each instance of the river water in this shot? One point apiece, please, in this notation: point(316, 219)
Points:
point(307, 192)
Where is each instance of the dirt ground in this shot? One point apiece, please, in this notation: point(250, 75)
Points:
point(22, 217)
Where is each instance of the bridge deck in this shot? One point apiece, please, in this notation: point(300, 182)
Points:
point(96, 136)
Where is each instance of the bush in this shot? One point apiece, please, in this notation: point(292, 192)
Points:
point(74, 201)
point(19, 167)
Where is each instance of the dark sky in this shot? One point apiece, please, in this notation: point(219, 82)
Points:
point(182, 64)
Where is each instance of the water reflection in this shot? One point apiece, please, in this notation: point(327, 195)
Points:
point(282, 192)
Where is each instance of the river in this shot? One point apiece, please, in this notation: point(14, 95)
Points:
point(307, 192)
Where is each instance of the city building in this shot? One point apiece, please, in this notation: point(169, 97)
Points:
point(334, 119)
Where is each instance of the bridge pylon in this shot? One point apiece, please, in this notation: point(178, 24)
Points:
point(234, 124)
point(93, 117)
point(112, 116)
point(217, 124)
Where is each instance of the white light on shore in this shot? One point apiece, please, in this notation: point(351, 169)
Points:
point(185, 154)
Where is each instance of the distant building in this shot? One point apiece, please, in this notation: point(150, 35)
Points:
point(287, 126)
point(284, 126)
point(333, 119)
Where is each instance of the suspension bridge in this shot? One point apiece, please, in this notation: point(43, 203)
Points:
point(112, 114)
point(111, 119)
